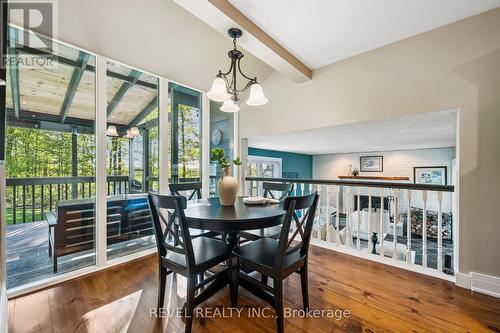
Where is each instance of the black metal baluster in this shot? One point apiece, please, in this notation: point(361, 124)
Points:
point(58, 192)
point(24, 203)
point(50, 197)
point(33, 203)
point(66, 191)
point(83, 190)
point(41, 198)
point(14, 204)
point(109, 188)
point(120, 187)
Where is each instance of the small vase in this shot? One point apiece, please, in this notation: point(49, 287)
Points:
point(228, 188)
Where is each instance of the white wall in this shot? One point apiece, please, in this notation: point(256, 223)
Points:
point(453, 67)
point(396, 163)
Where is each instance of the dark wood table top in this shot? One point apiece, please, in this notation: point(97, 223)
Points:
point(208, 214)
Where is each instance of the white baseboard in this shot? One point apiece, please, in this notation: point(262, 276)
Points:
point(462, 280)
point(481, 283)
point(489, 285)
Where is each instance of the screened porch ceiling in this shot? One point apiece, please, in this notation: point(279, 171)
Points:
point(64, 93)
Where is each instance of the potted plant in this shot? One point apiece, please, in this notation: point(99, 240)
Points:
point(227, 186)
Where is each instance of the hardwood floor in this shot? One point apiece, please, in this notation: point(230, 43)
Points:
point(379, 298)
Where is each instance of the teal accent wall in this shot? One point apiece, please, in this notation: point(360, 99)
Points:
point(290, 162)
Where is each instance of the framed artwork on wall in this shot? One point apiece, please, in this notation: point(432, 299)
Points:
point(430, 175)
point(371, 163)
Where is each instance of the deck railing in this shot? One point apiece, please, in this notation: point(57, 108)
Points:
point(29, 198)
point(380, 229)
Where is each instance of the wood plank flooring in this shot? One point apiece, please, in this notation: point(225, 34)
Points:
point(379, 298)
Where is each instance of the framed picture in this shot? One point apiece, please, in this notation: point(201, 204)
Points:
point(433, 175)
point(371, 163)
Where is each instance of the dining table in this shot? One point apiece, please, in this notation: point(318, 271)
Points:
point(209, 215)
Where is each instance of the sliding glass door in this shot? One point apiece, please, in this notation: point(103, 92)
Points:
point(50, 162)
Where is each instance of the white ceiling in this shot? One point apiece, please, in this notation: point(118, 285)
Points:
point(322, 32)
point(423, 130)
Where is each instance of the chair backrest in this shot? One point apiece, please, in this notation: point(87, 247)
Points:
point(167, 239)
point(307, 206)
point(177, 188)
point(285, 189)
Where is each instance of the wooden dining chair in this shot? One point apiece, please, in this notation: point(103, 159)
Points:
point(278, 259)
point(285, 190)
point(187, 256)
point(194, 192)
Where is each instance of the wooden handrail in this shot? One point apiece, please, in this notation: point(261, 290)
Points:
point(398, 185)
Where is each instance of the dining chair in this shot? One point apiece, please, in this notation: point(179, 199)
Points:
point(194, 192)
point(278, 259)
point(273, 232)
point(188, 256)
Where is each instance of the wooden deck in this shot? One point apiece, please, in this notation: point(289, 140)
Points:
point(28, 259)
point(379, 298)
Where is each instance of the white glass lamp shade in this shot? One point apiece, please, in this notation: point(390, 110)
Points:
point(134, 131)
point(229, 106)
point(218, 91)
point(2, 83)
point(111, 131)
point(256, 96)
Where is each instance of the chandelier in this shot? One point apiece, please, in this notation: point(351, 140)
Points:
point(224, 86)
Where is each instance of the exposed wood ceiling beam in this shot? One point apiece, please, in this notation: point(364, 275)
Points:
point(147, 109)
point(222, 15)
point(233, 13)
point(14, 72)
point(30, 116)
point(73, 63)
point(134, 76)
point(76, 77)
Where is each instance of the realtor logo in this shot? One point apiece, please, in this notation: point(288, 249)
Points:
point(31, 32)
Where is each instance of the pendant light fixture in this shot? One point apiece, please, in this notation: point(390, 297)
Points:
point(224, 87)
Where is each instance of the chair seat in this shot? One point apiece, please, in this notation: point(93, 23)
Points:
point(208, 252)
point(272, 232)
point(262, 252)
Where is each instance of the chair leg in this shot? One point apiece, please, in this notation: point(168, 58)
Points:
point(278, 305)
point(50, 244)
point(233, 278)
point(303, 287)
point(190, 303)
point(162, 281)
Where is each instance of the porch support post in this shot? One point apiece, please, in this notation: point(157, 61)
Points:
point(101, 184)
point(205, 146)
point(74, 161)
point(163, 125)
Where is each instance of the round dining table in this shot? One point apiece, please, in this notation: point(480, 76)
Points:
point(208, 214)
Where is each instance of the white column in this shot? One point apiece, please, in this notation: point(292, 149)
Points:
point(440, 232)
point(100, 179)
point(370, 243)
point(205, 146)
point(236, 146)
point(244, 166)
point(424, 230)
point(358, 241)
point(408, 228)
point(164, 144)
point(327, 214)
point(395, 226)
point(337, 220)
point(381, 227)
